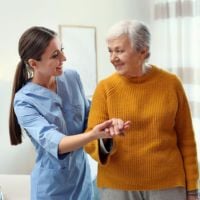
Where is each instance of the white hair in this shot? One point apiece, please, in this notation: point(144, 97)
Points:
point(137, 32)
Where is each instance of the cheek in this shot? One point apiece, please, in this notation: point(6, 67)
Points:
point(130, 58)
point(123, 58)
point(53, 63)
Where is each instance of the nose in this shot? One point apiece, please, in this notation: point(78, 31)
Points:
point(63, 57)
point(113, 57)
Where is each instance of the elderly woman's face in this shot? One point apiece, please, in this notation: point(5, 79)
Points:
point(123, 56)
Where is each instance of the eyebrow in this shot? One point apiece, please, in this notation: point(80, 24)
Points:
point(55, 51)
point(115, 48)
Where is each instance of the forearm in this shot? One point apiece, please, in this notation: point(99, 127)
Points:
point(189, 156)
point(74, 142)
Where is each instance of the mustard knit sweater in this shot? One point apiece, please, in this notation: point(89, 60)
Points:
point(159, 149)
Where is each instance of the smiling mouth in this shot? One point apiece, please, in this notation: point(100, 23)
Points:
point(118, 65)
point(59, 68)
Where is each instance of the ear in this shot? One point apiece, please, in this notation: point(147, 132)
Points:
point(145, 53)
point(32, 63)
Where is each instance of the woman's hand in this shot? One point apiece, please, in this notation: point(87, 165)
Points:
point(102, 130)
point(110, 128)
point(118, 127)
point(107, 129)
point(192, 197)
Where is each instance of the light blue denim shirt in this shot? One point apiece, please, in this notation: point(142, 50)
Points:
point(47, 117)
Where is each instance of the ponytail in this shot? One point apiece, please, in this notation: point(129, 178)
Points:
point(32, 44)
point(20, 79)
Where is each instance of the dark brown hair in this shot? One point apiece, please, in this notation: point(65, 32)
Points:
point(32, 44)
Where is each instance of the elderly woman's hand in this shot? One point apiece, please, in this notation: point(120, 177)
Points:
point(192, 197)
point(118, 127)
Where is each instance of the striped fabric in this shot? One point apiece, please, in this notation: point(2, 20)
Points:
point(176, 47)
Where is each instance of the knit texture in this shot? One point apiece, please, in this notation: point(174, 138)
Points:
point(159, 149)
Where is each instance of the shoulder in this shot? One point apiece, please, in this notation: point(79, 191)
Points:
point(70, 77)
point(170, 79)
point(167, 75)
point(109, 80)
point(70, 73)
point(22, 93)
point(22, 100)
point(109, 83)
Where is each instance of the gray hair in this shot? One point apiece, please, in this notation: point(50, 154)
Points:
point(137, 32)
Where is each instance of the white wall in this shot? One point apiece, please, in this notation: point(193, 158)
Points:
point(16, 16)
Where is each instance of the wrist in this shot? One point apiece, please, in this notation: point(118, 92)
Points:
point(92, 135)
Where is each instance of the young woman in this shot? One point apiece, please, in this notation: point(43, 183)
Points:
point(50, 106)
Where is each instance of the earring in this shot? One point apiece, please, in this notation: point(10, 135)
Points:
point(29, 70)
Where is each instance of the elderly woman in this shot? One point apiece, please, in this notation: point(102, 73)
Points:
point(156, 159)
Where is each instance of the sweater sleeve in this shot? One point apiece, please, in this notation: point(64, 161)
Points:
point(186, 139)
point(98, 114)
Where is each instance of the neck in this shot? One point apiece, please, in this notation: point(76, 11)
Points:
point(138, 72)
point(145, 68)
point(49, 83)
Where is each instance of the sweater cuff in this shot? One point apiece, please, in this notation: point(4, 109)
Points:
point(105, 149)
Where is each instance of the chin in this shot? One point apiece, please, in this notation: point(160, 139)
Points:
point(121, 72)
point(58, 73)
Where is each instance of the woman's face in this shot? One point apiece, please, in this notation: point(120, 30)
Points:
point(51, 61)
point(123, 56)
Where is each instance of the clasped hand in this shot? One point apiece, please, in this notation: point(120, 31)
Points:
point(111, 128)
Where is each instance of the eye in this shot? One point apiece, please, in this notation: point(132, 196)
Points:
point(55, 55)
point(119, 51)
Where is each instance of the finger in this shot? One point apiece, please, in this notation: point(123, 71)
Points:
point(116, 129)
point(107, 130)
point(120, 124)
point(104, 125)
point(112, 131)
point(105, 134)
point(114, 121)
point(127, 124)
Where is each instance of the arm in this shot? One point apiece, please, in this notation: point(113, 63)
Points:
point(186, 139)
point(106, 145)
point(47, 135)
point(70, 143)
point(98, 113)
